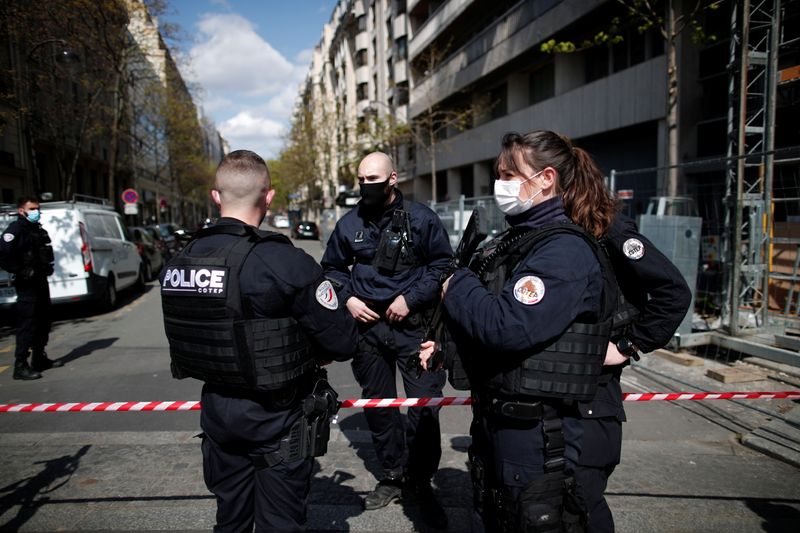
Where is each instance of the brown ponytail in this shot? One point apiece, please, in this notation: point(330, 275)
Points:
point(580, 182)
point(586, 199)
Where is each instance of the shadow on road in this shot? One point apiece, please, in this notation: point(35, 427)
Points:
point(778, 518)
point(453, 487)
point(88, 348)
point(30, 493)
point(74, 313)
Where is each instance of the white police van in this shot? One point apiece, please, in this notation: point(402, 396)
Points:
point(95, 257)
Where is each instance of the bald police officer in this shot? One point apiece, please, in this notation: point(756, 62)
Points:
point(252, 316)
point(385, 257)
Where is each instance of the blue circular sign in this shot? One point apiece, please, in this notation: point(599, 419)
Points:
point(129, 196)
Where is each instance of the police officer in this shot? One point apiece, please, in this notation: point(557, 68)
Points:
point(252, 317)
point(397, 250)
point(25, 251)
point(658, 299)
point(532, 319)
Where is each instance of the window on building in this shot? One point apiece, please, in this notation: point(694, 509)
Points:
point(498, 99)
point(595, 63)
point(362, 91)
point(401, 46)
point(361, 58)
point(542, 84)
point(361, 22)
point(399, 6)
point(401, 90)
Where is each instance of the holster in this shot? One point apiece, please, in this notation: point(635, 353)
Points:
point(309, 436)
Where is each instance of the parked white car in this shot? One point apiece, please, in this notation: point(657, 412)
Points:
point(95, 256)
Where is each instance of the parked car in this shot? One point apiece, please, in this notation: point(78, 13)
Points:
point(280, 221)
point(305, 229)
point(159, 241)
point(151, 253)
point(171, 233)
point(95, 256)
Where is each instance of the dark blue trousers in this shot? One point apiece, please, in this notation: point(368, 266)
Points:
point(274, 499)
point(512, 452)
point(32, 320)
point(412, 448)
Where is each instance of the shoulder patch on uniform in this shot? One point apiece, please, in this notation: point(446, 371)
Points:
point(8, 237)
point(326, 296)
point(633, 249)
point(529, 290)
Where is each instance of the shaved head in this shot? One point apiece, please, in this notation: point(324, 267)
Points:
point(242, 179)
point(376, 164)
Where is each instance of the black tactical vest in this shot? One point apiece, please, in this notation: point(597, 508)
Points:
point(38, 255)
point(568, 367)
point(213, 335)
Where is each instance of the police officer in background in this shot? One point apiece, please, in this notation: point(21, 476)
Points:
point(657, 299)
point(252, 316)
point(397, 250)
point(25, 251)
point(532, 320)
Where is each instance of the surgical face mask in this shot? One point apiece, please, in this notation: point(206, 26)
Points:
point(33, 215)
point(506, 194)
point(374, 194)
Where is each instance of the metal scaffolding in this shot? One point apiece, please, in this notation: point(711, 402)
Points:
point(753, 74)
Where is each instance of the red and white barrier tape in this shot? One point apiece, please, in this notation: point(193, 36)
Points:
point(373, 403)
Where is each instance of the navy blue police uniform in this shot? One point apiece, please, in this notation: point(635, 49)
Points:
point(660, 298)
point(25, 251)
point(526, 436)
point(384, 346)
point(248, 430)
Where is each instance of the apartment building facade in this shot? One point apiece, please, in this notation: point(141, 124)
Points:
point(485, 57)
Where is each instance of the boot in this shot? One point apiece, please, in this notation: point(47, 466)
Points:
point(386, 491)
point(23, 371)
point(40, 363)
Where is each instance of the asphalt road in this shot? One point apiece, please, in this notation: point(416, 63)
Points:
point(683, 467)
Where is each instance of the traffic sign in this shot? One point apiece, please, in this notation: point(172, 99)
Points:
point(130, 196)
point(131, 209)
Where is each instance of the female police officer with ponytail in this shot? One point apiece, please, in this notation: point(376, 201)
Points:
point(531, 319)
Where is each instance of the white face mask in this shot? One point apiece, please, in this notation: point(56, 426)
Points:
point(506, 194)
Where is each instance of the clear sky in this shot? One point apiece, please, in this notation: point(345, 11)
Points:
point(249, 57)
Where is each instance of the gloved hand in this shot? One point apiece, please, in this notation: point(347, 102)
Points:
point(26, 273)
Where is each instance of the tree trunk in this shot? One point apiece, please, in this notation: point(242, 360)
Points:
point(114, 141)
point(81, 133)
point(673, 147)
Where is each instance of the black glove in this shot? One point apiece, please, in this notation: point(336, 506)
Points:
point(26, 273)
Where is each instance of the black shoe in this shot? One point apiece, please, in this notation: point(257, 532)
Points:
point(431, 510)
point(42, 363)
point(386, 491)
point(25, 372)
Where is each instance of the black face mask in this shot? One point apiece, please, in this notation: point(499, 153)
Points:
point(375, 194)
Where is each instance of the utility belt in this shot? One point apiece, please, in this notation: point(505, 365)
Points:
point(309, 436)
point(549, 413)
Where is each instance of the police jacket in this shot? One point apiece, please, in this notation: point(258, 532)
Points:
point(560, 283)
point(355, 240)
point(660, 299)
point(26, 252)
point(650, 282)
point(262, 332)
